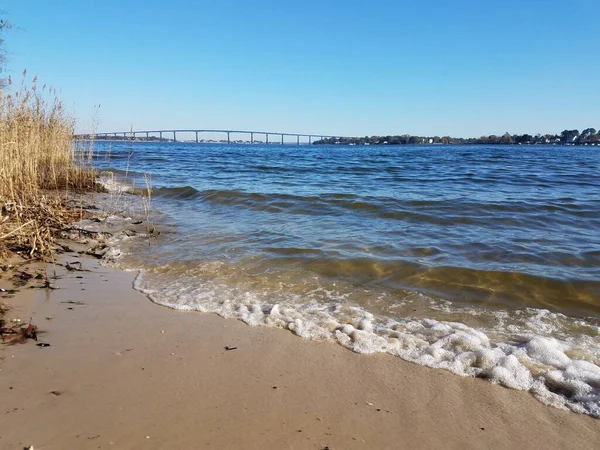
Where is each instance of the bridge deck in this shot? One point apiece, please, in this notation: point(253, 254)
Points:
point(133, 133)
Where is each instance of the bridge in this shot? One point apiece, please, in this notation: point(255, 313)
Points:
point(148, 134)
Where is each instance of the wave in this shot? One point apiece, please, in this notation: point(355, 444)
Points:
point(123, 174)
point(450, 213)
point(465, 285)
point(523, 349)
point(549, 354)
point(179, 192)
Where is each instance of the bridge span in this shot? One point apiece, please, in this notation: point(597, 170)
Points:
point(149, 134)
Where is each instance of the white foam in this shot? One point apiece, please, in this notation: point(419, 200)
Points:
point(112, 185)
point(525, 355)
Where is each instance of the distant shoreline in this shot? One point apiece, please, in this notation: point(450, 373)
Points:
point(366, 144)
point(588, 137)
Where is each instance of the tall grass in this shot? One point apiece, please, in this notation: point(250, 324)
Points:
point(39, 168)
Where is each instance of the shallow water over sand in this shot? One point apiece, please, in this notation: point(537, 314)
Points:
point(481, 260)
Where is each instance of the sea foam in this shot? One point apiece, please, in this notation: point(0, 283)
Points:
point(526, 349)
point(520, 359)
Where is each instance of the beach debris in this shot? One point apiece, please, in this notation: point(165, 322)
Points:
point(8, 292)
point(19, 335)
point(98, 251)
point(74, 266)
point(43, 344)
point(29, 448)
point(10, 332)
point(229, 347)
point(22, 275)
point(57, 393)
point(275, 387)
point(46, 285)
point(71, 302)
point(21, 278)
point(369, 403)
point(30, 332)
point(66, 248)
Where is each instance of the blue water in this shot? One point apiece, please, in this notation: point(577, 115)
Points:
point(471, 210)
point(504, 240)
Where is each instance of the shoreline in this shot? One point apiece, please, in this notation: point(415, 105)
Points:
point(122, 372)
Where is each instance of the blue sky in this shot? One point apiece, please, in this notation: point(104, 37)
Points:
point(430, 67)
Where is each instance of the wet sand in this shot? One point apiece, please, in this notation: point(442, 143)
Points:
point(124, 373)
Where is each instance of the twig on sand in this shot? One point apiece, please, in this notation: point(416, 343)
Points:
point(10, 233)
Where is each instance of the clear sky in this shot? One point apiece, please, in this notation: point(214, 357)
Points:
point(429, 67)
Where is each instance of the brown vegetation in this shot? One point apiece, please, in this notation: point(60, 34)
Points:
point(40, 169)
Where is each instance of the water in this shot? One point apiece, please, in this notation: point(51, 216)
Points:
point(478, 259)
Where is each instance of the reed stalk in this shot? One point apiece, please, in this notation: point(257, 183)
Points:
point(40, 169)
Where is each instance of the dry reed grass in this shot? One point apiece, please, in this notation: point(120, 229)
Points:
point(40, 169)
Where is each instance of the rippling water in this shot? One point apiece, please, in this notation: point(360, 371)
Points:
point(481, 260)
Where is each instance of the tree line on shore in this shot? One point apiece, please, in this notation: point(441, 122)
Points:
point(589, 136)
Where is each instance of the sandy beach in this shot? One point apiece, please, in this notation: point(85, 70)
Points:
point(122, 372)
point(317, 226)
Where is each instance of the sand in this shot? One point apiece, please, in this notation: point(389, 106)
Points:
point(122, 372)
